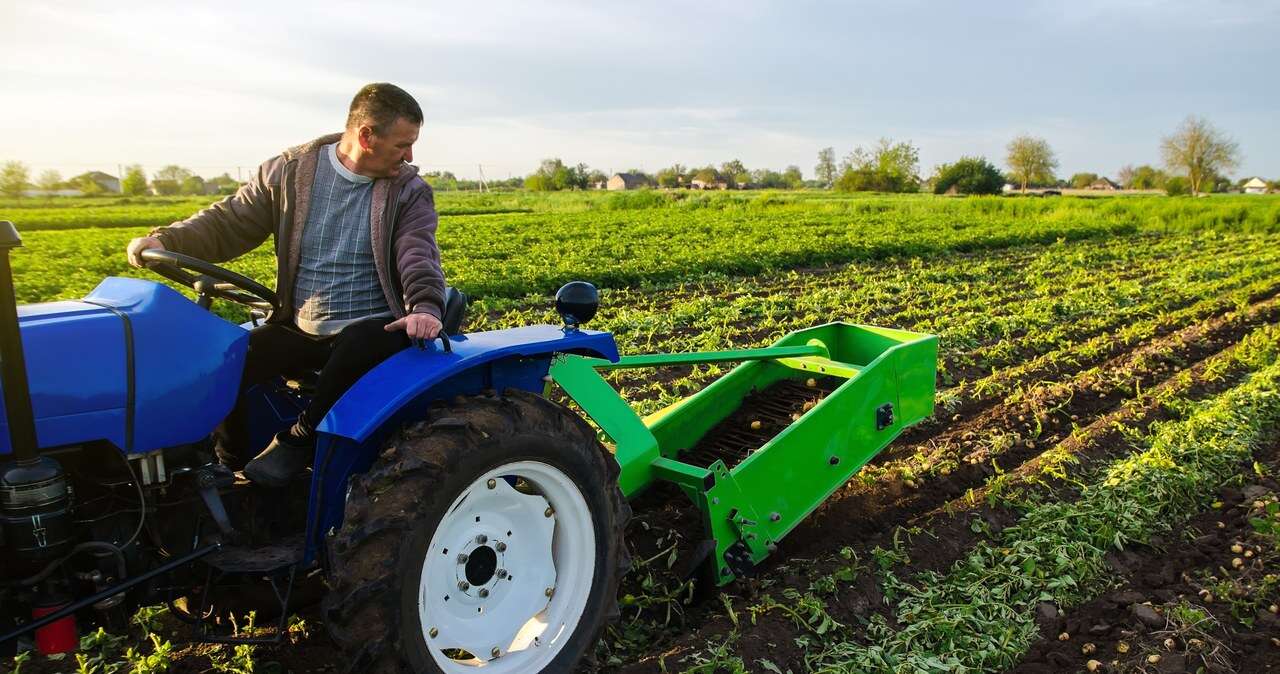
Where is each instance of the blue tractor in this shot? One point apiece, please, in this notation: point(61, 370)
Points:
point(458, 515)
point(459, 518)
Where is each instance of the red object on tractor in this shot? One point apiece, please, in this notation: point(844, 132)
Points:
point(58, 636)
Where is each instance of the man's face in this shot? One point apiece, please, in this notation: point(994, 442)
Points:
point(385, 153)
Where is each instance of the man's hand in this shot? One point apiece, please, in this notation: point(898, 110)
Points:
point(136, 246)
point(417, 326)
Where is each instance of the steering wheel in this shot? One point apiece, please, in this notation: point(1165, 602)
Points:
point(209, 280)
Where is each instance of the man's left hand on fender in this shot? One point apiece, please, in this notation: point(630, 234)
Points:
point(417, 326)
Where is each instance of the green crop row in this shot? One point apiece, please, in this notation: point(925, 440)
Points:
point(996, 309)
point(1246, 213)
point(826, 643)
point(980, 615)
point(1079, 285)
point(155, 212)
point(499, 256)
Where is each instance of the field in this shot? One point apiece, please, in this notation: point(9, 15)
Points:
point(1098, 484)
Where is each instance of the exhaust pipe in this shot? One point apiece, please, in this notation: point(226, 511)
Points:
point(35, 498)
point(17, 394)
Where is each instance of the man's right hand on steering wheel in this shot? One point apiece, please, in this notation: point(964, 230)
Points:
point(208, 280)
point(136, 246)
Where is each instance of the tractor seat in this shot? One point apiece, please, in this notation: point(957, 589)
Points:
point(455, 312)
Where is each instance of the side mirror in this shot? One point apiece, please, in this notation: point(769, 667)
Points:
point(577, 302)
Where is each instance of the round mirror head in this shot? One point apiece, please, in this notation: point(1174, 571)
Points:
point(576, 302)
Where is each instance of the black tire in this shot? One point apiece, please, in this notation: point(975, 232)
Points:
point(376, 560)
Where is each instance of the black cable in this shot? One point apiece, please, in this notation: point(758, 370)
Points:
point(142, 501)
point(82, 547)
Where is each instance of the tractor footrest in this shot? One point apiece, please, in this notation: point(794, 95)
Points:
point(265, 559)
point(275, 565)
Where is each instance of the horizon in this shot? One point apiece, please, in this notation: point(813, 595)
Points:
point(618, 88)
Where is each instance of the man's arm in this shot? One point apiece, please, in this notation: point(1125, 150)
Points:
point(417, 256)
point(229, 228)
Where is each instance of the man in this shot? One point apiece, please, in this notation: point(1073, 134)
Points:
point(358, 267)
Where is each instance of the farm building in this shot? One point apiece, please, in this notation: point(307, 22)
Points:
point(106, 181)
point(709, 184)
point(1104, 183)
point(1255, 186)
point(627, 181)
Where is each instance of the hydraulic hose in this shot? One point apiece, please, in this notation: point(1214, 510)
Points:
point(48, 570)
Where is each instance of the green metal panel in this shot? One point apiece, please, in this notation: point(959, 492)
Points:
point(760, 500)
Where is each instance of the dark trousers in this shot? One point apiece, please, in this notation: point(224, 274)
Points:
point(276, 350)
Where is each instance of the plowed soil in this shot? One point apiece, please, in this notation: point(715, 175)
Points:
point(933, 523)
point(1217, 567)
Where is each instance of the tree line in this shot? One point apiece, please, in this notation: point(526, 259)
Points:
point(1196, 157)
point(15, 181)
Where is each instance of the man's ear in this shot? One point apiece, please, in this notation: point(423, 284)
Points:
point(366, 137)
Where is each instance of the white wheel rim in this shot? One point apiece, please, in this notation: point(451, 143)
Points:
point(524, 581)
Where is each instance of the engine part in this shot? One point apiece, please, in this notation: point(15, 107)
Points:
point(60, 635)
point(35, 511)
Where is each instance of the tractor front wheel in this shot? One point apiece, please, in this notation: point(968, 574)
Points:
point(487, 536)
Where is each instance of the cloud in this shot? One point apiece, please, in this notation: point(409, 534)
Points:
point(623, 85)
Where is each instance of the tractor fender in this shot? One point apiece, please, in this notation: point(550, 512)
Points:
point(401, 389)
point(497, 359)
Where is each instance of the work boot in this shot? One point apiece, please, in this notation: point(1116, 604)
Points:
point(283, 460)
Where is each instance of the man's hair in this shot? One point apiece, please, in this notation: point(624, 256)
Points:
point(378, 105)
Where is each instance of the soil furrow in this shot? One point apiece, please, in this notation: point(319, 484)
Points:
point(943, 527)
point(1206, 601)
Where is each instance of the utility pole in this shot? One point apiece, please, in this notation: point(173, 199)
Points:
point(483, 186)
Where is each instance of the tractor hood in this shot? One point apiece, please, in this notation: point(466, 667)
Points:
point(135, 363)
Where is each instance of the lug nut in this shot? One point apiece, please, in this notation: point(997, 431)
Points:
point(502, 574)
point(483, 593)
point(434, 632)
point(463, 585)
point(501, 547)
point(549, 511)
point(492, 483)
point(549, 591)
point(495, 652)
point(482, 539)
point(462, 558)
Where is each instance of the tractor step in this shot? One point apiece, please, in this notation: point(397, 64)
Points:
point(274, 565)
point(266, 559)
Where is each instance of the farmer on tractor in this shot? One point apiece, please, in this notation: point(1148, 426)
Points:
point(358, 267)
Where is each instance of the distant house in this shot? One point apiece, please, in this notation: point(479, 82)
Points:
point(627, 181)
point(106, 181)
point(1255, 186)
point(709, 184)
point(1104, 183)
point(52, 193)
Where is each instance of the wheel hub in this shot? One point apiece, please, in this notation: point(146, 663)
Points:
point(481, 565)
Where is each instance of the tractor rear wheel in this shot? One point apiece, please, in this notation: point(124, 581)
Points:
point(487, 536)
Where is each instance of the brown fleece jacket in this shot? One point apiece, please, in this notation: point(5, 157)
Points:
point(274, 203)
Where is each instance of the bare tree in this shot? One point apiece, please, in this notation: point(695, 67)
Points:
point(171, 172)
point(825, 171)
point(1125, 176)
point(49, 180)
point(1199, 151)
point(1031, 160)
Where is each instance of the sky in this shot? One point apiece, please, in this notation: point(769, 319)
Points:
point(616, 85)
